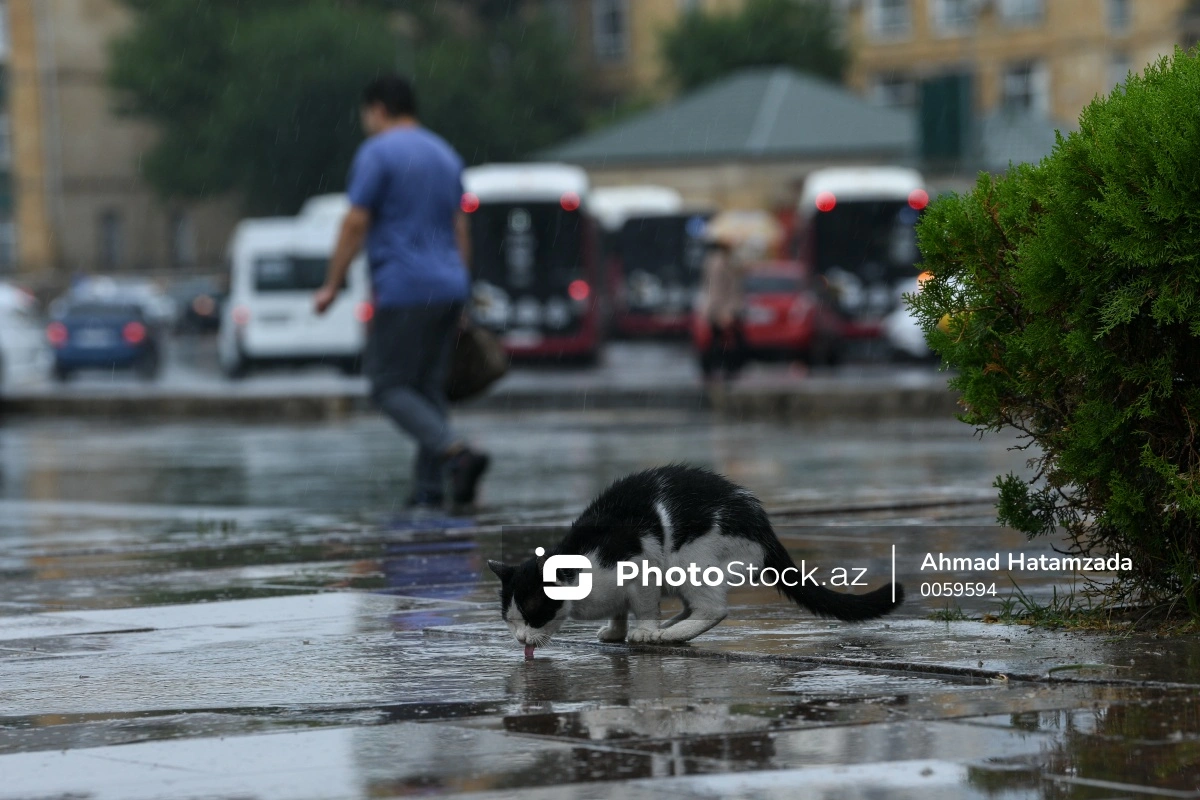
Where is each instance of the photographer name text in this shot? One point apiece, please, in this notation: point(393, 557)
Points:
point(940, 562)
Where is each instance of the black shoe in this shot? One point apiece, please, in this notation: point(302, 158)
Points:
point(466, 468)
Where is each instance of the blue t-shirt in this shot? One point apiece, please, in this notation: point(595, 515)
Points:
point(410, 180)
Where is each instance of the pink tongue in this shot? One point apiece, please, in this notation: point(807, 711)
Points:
point(528, 651)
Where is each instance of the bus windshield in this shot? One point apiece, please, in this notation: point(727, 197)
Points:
point(874, 240)
point(528, 265)
point(662, 247)
point(527, 248)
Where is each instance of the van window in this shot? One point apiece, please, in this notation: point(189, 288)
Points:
point(289, 273)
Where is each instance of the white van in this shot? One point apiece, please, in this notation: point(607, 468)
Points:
point(276, 265)
point(24, 354)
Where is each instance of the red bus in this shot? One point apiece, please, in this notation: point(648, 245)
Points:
point(856, 227)
point(534, 265)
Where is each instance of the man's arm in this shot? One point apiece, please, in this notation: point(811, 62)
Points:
point(462, 232)
point(350, 241)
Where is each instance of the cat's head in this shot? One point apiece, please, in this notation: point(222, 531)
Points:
point(531, 616)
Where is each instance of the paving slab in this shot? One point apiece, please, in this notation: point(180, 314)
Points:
point(253, 619)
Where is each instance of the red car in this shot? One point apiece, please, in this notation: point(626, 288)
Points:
point(787, 316)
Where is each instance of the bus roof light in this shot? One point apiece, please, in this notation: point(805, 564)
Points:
point(469, 203)
point(569, 201)
point(826, 201)
point(918, 199)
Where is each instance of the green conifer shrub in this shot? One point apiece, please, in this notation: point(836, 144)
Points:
point(1066, 297)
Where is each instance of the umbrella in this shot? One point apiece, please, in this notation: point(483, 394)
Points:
point(755, 233)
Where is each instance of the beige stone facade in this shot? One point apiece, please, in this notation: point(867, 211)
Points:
point(1049, 56)
point(619, 40)
point(769, 185)
point(80, 203)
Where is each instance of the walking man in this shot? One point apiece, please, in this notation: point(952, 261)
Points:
point(405, 190)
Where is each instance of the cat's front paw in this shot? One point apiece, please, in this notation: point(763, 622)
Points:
point(644, 635)
point(610, 633)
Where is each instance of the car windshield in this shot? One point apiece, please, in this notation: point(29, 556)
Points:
point(772, 284)
point(103, 311)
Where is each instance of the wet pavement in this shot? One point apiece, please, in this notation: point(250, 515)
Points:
point(229, 611)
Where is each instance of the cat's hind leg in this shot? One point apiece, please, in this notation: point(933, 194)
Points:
point(615, 630)
point(680, 617)
point(705, 607)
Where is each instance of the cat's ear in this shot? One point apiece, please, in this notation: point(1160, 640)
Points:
point(503, 571)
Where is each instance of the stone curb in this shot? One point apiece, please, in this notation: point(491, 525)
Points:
point(749, 404)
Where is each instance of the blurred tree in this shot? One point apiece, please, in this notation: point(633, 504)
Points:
point(801, 34)
point(502, 92)
point(261, 98)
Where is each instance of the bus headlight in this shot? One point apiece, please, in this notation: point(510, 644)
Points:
point(557, 313)
point(490, 305)
point(528, 312)
point(646, 290)
point(847, 288)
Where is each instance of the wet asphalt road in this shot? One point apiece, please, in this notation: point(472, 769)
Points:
point(191, 367)
point(229, 611)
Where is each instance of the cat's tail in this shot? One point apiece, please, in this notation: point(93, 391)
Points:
point(827, 603)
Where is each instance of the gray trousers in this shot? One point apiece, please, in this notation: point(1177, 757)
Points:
point(407, 359)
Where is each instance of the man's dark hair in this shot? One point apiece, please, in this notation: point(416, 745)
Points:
point(395, 93)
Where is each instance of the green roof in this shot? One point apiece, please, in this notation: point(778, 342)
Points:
point(759, 113)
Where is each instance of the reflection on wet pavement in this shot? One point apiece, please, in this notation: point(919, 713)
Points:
point(164, 633)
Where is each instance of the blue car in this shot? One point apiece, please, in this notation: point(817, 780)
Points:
point(103, 335)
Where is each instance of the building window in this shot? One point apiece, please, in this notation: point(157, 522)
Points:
point(1119, 66)
point(1027, 88)
point(183, 240)
point(893, 91)
point(1120, 15)
point(953, 17)
point(1023, 12)
point(8, 245)
point(889, 19)
point(112, 239)
point(5, 142)
point(610, 29)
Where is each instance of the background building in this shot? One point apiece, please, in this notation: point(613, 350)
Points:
point(983, 71)
point(78, 202)
point(618, 40)
point(746, 141)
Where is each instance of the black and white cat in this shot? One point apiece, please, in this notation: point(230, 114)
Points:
point(672, 516)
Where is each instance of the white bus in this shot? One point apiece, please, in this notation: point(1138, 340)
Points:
point(856, 227)
point(535, 271)
point(276, 265)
